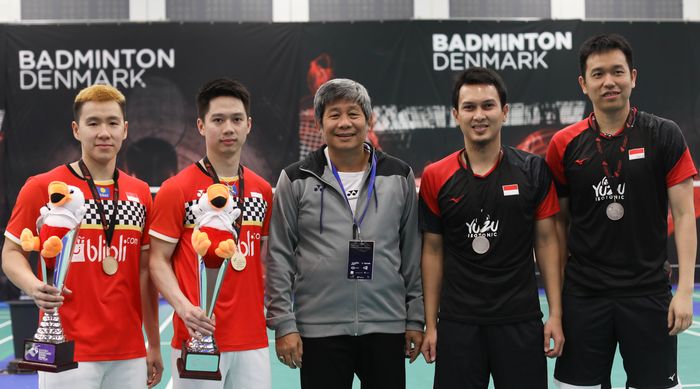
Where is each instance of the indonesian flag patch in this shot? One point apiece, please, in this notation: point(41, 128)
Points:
point(510, 190)
point(636, 153)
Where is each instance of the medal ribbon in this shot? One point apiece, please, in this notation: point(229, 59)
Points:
point(107, 226)
point(372, 176)
point(481, 195)
point(240, 201)
point(615, 177)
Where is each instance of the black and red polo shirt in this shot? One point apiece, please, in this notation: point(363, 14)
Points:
point(499, 285)
point(634, 168)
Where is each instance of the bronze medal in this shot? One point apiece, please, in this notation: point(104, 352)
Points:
point(110, 265)
point(238, 262)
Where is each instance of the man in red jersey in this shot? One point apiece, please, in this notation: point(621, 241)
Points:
point(109, 294)
point(223, 119)
point(617, 171)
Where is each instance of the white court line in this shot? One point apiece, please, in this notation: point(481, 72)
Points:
point(5, 324)
point(5, 339)
point(166, 322)
point(689, 332)
point(163, 326)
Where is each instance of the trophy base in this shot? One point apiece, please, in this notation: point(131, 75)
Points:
point(201, 366)
point(46, 356)
point(198, 375)
point(27, 365)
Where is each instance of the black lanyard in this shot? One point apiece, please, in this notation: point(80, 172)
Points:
point(107, 226)
point(614, 178)
point(240, 200)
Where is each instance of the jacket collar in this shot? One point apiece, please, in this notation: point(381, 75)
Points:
point(315, 162)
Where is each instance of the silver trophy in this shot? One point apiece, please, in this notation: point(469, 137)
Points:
point(200, 355)
point(58, 228)
point(214, 242)
point(49, 350)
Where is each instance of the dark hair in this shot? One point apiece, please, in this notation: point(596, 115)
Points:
point(221, 87)
point(601, 44)
point(480, 76)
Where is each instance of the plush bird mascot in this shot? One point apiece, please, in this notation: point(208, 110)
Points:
point(63, 213)
point(214, 236)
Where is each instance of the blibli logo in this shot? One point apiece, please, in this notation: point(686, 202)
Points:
point(247, 244)
point(85, 249)
point(79, 250)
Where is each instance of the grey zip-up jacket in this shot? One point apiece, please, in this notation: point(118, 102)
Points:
point(307, 287)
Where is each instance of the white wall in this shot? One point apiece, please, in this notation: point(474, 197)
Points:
point(10, 10)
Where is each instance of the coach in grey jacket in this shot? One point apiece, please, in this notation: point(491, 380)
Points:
point(343, 270)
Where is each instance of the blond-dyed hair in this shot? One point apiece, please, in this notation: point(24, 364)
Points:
point(98, 93)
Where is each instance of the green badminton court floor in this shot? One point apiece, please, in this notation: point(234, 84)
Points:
point(418, 375)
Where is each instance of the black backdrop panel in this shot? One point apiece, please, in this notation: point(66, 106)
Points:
point(407, 66)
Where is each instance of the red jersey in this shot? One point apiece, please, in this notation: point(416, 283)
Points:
point(240, 319)
point(103, 314)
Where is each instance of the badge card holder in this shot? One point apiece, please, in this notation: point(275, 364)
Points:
point(360, 259)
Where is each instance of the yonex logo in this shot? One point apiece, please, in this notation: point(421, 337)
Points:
point(581, 161)
point(672, 377)
point(456, 199)
point(318, 188)
point(352, 193)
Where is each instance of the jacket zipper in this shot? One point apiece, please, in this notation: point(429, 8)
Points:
point(357, 315)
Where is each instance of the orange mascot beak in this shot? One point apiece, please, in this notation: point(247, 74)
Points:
point(59, 193)
point(218, 195)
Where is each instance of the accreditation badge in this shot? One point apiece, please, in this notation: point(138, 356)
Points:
point(360, 259)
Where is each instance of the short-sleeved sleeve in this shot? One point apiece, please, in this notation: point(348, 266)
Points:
point(546, 193)
point(554, 158)
point(168, 213)
point(26, 210)
point(428, 207)
point(677, 161)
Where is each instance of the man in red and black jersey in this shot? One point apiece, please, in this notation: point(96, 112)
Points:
point(223, 119)
point(483, 210)
point(617, 171)
point(108, 294)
